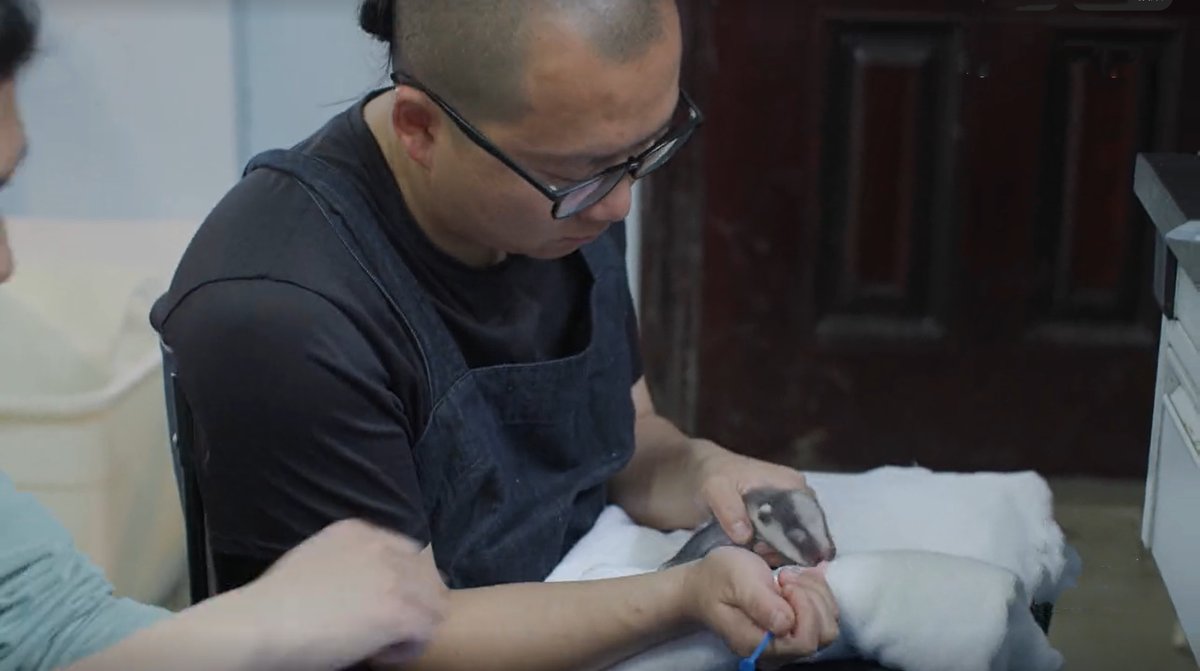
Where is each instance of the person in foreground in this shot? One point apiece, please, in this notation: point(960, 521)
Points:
point(427, 323)
point(350, 592)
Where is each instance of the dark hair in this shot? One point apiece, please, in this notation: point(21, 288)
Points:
point(18, 35)
point(378, 19)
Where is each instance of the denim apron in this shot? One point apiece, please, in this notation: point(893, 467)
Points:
point(514, 459)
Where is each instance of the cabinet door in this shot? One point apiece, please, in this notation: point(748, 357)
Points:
point(1175, 534)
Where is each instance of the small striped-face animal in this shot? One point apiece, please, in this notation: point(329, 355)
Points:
point(790, 521)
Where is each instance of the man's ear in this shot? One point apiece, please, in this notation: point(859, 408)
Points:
point(416, 122)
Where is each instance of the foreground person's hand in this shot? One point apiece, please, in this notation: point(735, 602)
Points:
point(351, 592)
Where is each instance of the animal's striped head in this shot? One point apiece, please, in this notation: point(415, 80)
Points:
point(792, 522)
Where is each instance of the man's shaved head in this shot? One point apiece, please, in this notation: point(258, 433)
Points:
point(473, 52)
point(563, 91)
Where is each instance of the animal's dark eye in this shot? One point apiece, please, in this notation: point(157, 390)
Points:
point(764, 516)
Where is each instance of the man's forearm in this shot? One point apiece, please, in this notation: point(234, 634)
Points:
point(557, 626)
point(656, 488)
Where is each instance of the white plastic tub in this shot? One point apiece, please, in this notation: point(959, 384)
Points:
point(82, 421)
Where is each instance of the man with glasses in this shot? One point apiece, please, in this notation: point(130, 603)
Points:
point(571, 199)
point(420, 315)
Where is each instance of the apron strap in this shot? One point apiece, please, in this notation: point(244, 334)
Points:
point(359, 226)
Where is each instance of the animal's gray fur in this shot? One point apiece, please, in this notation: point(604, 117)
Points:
point(791, 522)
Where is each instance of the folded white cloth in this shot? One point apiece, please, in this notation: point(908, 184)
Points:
point(889, 599)
point(1006, 519)
point(928, 611)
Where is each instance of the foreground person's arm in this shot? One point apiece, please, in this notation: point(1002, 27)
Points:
point(349, 593)
point(56, 606)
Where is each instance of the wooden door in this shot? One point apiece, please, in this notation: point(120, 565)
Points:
point(907, 232)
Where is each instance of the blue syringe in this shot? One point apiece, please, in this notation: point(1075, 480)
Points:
point(748, 663)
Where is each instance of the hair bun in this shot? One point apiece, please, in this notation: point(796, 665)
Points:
point(378, 18)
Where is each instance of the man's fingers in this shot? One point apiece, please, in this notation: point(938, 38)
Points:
point(826, 617)
point(726, 502)
point(811, 579)
point(829, 611)
point(816, 617)
point(801, 482)
point(741, 633)
point(800, 575)
point(794, 576)
point(804, 638)
point(825, 594)
point(830, 630)
point(787, 477)
point(766, 607)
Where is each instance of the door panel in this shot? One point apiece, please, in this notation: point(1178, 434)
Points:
point(1105, 96)
point(917, 239)
point(886, 178)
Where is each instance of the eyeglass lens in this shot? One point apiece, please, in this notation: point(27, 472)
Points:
point(585, 197)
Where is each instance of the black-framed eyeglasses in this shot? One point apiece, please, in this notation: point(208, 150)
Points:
point(573, 198)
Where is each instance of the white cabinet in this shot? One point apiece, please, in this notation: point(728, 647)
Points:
point(1172, 514)
point(1169, 188)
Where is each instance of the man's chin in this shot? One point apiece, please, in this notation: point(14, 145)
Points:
point(556, 249)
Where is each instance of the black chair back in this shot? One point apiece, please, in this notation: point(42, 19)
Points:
point(183, 455)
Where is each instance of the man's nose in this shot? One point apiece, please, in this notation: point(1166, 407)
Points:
point(614, 206)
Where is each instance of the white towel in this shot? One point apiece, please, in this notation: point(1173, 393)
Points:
point(1002, 521)
point(1006, 519)
point(928, 611)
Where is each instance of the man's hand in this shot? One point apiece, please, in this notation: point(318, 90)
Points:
point(815, 608)
point(733, 593)
point(676, 482)
point(722, 476)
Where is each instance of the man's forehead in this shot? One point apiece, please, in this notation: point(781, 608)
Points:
point(583, 104)
point(604, 132)
point(601, 147)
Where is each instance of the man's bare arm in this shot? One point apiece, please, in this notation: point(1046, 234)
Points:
point(558, 626)
point(660, 487)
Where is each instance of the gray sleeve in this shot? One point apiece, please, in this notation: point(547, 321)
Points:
point(56, 606)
